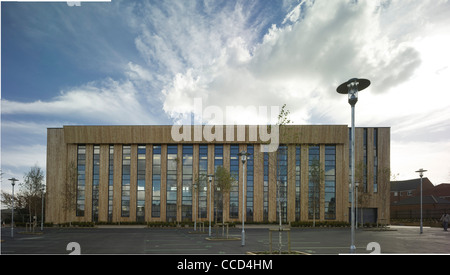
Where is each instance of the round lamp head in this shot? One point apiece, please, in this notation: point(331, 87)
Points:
point(421, 171)
point(361, 84)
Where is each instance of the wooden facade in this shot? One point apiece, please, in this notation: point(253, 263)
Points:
point(62, 145)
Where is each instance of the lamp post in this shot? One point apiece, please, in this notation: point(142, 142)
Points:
point(352, 87)
point(13, 182)
point(356, 205)
point(210, 199)
point(42, 207)
point(421, 171)
point(243, 156)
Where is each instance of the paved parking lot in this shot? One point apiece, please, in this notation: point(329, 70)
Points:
point(135, 240)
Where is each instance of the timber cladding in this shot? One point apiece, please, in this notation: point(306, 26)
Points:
point(62, 145)
point(289, 134)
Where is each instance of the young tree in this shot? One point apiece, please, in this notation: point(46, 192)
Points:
point(19, 201)
point(281, 170)
point(223, 180)
point(69, 192)
point(316, 176)
point(32, 189)
point(200, 183)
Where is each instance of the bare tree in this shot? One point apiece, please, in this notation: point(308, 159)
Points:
point(69, 192)
point(7, 199)
point(199, 184)
point(223, 181)
point(32, 189)
point(316, 176)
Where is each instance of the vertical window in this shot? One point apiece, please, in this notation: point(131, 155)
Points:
point(126, 164)
point(186, 199)
point(110, 182)
point(156, 181)
point(314, 183)
point(203, 181)
point(375, 160)
point(171, 189)
point(297, 182)
point(218, 161)
point(282, 164)
point(249, 180)
point(234, 190)
point(81, 179)
point(266, 188)
point(95, 182)
point(330, 182)
point(140, 202)
point(218, 156)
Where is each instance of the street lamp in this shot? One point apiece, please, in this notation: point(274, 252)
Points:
point(13, 182)
point(352, 87)
point(210, 177)
point(42, 207)
point(243, 156)
point(421, 171)
point(356, 205)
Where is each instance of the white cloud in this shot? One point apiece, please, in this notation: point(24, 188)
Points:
point(235, 54)
point(18, 159)
point(102, 102)
point(24, 156)
point(300, 62)
point(401, 47)
point(73, 4)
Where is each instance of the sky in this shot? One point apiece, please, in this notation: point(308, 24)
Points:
point(145, 63)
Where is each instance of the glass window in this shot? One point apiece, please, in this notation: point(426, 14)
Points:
point(171, 204)
point(314, 182)
point(266, 188)
point(95, 182)
point(234, 190)
point(186, 198)
point(282, 164)
point(156, 181)
point(330, 182)
point(249, 180)
point(218, 161)
point(140, 202)
point(126, 166)
point(81, 170)
point(203, 181)
point(110, 182)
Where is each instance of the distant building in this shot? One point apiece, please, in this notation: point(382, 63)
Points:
point(141, 174)
point(405, 199)
point(440, 191)
point(401, 190)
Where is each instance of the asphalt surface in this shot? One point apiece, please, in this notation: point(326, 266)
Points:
point(182, 241)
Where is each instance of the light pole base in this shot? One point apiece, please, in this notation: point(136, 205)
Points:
point(352, 249)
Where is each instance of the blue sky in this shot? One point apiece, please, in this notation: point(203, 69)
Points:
point(144, 62)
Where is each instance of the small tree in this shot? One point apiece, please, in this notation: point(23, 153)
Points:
point(362, 197)
point(32, 189)
point(199, 183)
point(223, 181)
point(69, 192)
point(316, 176)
